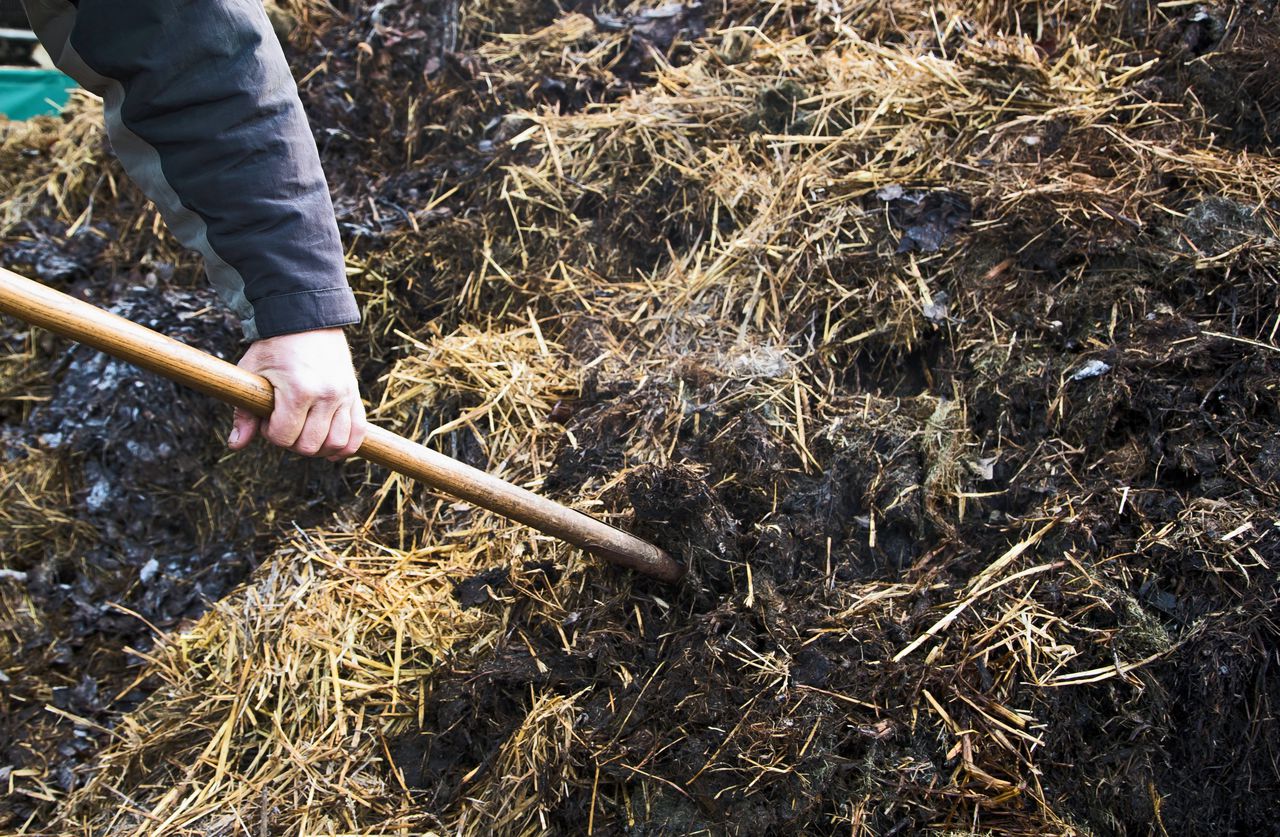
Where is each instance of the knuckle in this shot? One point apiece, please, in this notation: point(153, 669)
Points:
point(281, 432)
point(308, 389)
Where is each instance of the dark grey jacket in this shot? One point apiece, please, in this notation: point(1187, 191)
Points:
point(203, 113)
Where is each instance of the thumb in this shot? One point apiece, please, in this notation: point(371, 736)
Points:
point(244, 426)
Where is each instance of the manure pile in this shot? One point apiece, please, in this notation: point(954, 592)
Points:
point(940, 339)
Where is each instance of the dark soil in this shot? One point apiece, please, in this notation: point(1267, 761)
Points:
point(1137, 427)
point(159, 522)
point(1188, 726)
point(743, 665)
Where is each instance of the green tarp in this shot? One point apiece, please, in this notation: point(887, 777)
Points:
point(30, 91)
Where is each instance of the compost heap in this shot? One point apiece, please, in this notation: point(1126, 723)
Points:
point(939, 340)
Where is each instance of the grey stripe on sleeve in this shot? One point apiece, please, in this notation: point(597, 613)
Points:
point(53, 21)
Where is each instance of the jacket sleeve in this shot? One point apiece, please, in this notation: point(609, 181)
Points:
point(202, 111)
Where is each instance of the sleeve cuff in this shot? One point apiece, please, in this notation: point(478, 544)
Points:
point(302, 311)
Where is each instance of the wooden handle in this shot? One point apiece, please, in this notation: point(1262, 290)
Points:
point(121, 338)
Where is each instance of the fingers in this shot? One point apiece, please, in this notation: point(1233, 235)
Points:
point(316, 429)
point(353, 420)
point(339, 433)
point(244, 427)
point(359, 429)
point(325, 426)
point(301, 422)
point(317, 397)
point(284, 425)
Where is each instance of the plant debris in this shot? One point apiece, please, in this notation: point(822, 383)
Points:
point(940, 341)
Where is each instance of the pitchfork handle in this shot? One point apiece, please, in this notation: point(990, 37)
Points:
point(49, 309)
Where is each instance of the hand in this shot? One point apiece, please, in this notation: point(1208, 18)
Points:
point(318, 410)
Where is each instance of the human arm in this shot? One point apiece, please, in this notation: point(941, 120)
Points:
point(202, 111)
